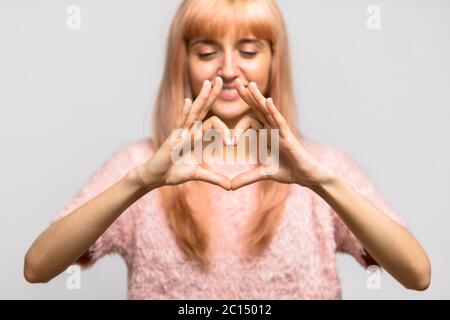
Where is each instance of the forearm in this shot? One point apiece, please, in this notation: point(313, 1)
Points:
point(62, 243)
point(391, 245)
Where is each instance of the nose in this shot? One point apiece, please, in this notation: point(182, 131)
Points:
point(229, 70)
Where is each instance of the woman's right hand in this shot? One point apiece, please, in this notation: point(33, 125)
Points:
point(160, 170)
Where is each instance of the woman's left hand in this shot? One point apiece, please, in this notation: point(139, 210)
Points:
point(295, 165)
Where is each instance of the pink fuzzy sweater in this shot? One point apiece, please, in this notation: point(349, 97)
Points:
point(300, 262)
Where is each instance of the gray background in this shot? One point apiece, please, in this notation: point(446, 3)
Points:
point(70, 98)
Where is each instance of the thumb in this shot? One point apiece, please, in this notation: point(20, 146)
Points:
point(247, 178)
point(218, 179)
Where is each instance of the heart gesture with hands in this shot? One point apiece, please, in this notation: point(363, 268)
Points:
point(295, 165)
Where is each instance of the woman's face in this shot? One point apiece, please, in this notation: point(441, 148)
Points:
point(247, 58)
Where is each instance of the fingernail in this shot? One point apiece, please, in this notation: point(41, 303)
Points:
point(225, 139)
point(227, 134)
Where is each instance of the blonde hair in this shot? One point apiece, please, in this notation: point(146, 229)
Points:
point(186, 211)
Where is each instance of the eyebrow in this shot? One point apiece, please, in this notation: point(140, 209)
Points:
point(214, 42)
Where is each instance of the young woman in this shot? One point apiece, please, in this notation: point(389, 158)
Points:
point(232, 230)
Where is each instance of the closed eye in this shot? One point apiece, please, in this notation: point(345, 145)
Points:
point(206, 55)
point(248, 53)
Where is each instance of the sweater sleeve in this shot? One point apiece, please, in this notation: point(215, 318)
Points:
point(358, 179)
point(118, 238)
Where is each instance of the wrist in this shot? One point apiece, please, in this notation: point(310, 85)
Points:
point(141, 178)
point(327, 178)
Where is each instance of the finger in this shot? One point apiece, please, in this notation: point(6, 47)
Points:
point(214, 94)
point(198, 103)
point(248, 177)
point(218, 179)
point(243, 125)
point(184, 113)
point(214, 122)
point(261, 102)
point(246, 96)
point(277, 116)
point(196, 133)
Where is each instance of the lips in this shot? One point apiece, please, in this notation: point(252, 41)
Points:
point(229, 94)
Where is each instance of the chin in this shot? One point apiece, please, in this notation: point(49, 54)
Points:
point(230, 110)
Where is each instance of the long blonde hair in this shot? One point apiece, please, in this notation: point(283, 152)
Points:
point(186, 211)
